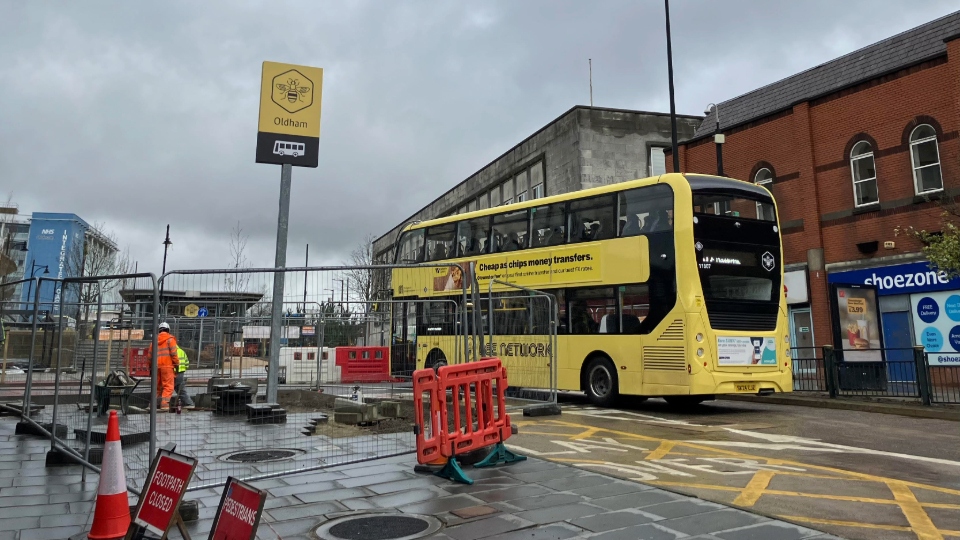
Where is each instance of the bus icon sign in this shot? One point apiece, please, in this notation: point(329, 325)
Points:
point(286, 148)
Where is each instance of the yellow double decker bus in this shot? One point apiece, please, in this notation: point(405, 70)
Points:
point(668, 286)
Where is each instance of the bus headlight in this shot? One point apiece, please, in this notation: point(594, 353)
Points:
point(788, 353)
point(699, 338)
point(786, 339)
point(700, 352)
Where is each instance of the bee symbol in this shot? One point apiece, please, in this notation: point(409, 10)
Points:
point(293, 90)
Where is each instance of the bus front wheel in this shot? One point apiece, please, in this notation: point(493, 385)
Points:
point(601, 382)
point(435, 360)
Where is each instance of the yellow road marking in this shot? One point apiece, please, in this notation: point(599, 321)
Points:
point(586, 433)
point(751, 494)
point(661, 451)
point(919, 520)
point(842, 523)
point(733, 453)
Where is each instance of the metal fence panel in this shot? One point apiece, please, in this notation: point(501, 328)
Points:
point(343, 394)
point(809, 374)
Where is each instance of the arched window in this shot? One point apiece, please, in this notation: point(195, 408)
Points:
point(864, 171)
point(925, 157)
point(764, 177)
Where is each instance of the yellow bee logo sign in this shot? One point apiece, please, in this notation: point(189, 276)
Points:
point(293, 91)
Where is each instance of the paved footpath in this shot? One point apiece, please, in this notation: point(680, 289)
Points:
point(531, 500)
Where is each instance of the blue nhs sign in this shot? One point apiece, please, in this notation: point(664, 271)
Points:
point(899, 279)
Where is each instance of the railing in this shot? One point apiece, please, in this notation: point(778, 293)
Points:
point(809, 374)
point(891, 373)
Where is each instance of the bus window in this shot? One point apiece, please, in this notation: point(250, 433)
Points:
point(635, 302)
point(646, 210)
point(473, 236)
point(593, 311)
point(411, 247)
point(440, 242)
point(593, 219)
point(509, 232)
point(549, 225)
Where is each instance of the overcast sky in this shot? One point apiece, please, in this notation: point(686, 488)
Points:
point(141, 114)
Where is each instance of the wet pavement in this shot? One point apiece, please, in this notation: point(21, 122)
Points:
point(530, 500)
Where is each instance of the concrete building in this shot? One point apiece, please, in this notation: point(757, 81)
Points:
point(853, 149)
point(585, 147)
point(14, 231)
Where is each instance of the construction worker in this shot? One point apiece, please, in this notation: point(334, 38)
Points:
point(166, 356)
point(180, 379)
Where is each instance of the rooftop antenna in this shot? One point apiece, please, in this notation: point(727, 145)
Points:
point(590, 64)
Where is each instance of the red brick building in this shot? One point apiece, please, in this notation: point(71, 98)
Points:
point(853, 149)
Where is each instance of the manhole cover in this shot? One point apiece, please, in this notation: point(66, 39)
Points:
point(260, 456)
point(379, 527)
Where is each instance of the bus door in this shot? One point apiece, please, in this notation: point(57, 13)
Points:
point(403, 348)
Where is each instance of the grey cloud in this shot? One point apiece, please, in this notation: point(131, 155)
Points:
point(144, 114)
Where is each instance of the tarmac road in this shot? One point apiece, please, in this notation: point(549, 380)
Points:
point(853, 474)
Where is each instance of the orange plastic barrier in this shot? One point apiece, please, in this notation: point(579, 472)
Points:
point(467, 408)
point(364, 364)
point(428, 421)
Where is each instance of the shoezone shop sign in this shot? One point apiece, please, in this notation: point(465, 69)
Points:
point(239, 513)
point(169, 475)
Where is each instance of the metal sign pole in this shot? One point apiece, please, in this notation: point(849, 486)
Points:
point(283, 224)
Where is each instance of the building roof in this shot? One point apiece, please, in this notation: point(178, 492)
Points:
point(894, 53)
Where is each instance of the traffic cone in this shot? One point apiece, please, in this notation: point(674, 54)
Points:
point(111, 518)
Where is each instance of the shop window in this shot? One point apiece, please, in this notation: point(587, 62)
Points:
point(925, 157)
point(549, 224)
point(646, 210)
point(864, 172)
point(440, 242)
point(473, 236)
point(593, 311)
point(509, 232)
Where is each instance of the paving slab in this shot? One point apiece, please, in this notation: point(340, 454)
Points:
point(531, 500)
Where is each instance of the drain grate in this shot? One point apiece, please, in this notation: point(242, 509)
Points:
point(379, 527)
point(261, 456)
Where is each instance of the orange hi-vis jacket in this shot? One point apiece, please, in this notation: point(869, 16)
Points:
point(166, 350)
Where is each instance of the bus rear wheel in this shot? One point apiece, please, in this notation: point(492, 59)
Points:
point(601, 384)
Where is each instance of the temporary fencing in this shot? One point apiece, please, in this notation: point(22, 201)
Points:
point(462, 409)
point(522, 331)
point(342, 395)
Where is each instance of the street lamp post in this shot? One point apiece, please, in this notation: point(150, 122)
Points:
point(673, 106)
point(718, 137)
point(33, 274)
point(166, 245)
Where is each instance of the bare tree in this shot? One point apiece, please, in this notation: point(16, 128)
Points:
point(238, 261)
point(362, 281)
point(96, 255)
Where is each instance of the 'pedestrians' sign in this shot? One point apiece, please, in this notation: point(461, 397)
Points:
point(289, 129)
point(202, 312)
point(238, 516)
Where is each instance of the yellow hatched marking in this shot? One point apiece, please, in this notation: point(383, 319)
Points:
point(586, 433)
point(661, 451)
point(920, 522)
point(751, 494)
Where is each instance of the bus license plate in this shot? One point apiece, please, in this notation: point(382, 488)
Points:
point(746, 387)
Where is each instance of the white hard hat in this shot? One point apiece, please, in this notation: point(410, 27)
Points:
point(164, 326)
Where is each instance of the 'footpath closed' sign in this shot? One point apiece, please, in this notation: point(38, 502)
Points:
point(165, 488)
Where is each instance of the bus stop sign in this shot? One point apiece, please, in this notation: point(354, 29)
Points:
point(289, 128)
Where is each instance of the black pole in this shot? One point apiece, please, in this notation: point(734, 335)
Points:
point(166, 245)
point(716, 138)
point(673, 106)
